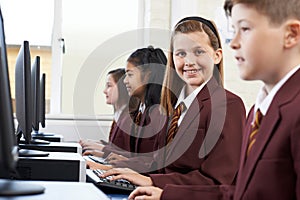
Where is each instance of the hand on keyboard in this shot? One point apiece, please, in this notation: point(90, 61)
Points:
point(127, 174)
point(93, 165)
point(94, 152)
point(109, 186)
point(98, 160)
point(113, 158)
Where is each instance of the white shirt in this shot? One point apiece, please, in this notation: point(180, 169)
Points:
point(187, 100)
point(118, 113)
point(142, 107)
point(264, 99)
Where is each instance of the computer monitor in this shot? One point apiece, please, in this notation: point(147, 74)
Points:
point(42, 111)
point(26, 86)
point(23, 93)
point(8, 148)
point(39, 100)
point(36, 96)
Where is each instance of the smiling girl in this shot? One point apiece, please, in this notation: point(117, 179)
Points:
point(202, 145)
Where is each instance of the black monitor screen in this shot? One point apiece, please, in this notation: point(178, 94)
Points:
point(42, 100)
point(8, 150)
point(35, 78)
point(23, 92)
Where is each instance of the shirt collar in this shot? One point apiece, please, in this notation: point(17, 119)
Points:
point(118, 113)
point(264, 99)
point(190, 98)
point(142, 107)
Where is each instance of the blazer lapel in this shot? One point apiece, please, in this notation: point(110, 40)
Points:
point(193, 114)
point(248, 163)
point(267, 129)
point(117, 125)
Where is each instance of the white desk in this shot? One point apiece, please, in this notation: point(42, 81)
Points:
point(63, 191)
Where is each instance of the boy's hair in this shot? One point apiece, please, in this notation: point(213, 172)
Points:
point(172, 82)
point(277, 11)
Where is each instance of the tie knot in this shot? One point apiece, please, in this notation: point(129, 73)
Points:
point(180, 108)
point(138, 118)
point(258, 118)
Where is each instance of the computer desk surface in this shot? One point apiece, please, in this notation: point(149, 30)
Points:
point(56, 190)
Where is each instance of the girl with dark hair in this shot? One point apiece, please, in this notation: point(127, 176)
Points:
point(144, 77)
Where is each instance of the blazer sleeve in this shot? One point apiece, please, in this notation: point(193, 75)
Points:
point(295, 141)
point(174, 192)
point(220, 166)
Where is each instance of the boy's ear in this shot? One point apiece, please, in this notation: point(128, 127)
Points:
point(292, 35)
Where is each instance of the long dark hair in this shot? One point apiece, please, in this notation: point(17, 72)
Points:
point(150, 61)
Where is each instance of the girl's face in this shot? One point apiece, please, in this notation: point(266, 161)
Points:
point(111, 90)
point(194, 58)
point(133, 81)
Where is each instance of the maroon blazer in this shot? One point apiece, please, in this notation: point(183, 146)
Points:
point(120, 135)
point(272, 169)
point(206, 148)
point(146, 142)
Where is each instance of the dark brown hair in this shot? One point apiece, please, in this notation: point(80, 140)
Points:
point(277, 11)
point(150, 61)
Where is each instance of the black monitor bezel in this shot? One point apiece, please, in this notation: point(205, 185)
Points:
point(23, 93)
point(8, 148)
point(36, 96)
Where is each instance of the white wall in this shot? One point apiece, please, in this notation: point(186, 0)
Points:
point(87, 28)
point(74, 129)
point(94, 46)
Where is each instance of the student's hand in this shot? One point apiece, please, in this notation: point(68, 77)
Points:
point(128, 174)
point(85, 142)
point(93, 152)
point(94, 165)
point(113, 158)
point(93, 146)
point(146, 193)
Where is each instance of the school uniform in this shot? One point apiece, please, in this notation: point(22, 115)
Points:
point(271, 170)
point(119, 138)
point(206, 147)
point(145, 140)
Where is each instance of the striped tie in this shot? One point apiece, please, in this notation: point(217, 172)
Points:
point(111, 129)
point(137, 122)
point(174, 122)
point(254, 130)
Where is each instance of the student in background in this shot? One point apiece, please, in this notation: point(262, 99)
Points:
point(144, 76)
point(117, 96)
point(270, 156)
point(205, 149)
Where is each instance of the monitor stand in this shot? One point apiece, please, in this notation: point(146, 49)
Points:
point(17, 188)
point(40, 134)
point(34, 141)
point(32, 153)
point(51, 137)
